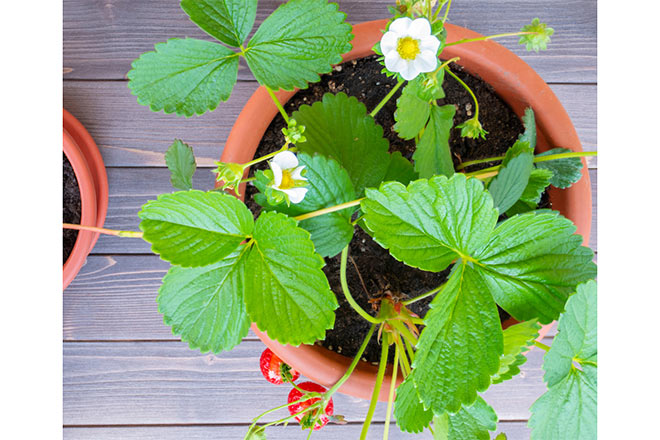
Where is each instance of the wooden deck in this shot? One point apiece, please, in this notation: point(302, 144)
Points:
point(125, 375)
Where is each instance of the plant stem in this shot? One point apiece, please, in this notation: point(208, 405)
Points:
point(351, 367)
point(424, 295)
point(390, 397)
point(537, 159)
point(465, 86)
point(278, 104)
point(285, 147)
point(387, 97)
point(374, 396)
point(471, 40)
point(293, 384)
point(347, 292)
point(357, 220)
point(403, 359)
point(134, 234)
point(463, 165)
point(549, 157)
point(444, 19)
point(403, 330)
point(328, 210)
point(255, 420)
point(411, 354)
point(541, 345)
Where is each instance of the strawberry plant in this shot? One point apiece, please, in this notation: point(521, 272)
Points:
point(333, 174)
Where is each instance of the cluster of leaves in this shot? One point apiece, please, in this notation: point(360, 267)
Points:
point(520, 182)
point(229, 269)
point(568, 409)
point(297, 42)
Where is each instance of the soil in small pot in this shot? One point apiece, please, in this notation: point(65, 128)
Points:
point(71, 206)
point(372, 272)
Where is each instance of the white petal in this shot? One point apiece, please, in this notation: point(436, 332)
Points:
point(393, 61)
point(419, 28)
point(286, 160)
point(410, 71)
point(400, 25)
point(295, 194)
point(388, 42)
point(430, 43)
point(426, 61)
point(277, 174)
point(296, 174)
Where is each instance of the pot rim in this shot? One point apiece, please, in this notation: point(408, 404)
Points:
point(517, 84)
point(89, 154)
point(88, 207)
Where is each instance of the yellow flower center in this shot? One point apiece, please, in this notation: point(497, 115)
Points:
point(408, 48)
point(287, 180)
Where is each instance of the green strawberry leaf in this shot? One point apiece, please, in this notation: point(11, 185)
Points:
point(460, 346)
point(297, 42)
point(529, 135)
point(195, 228)
point(539, 39)
point(408, 409)
point(539, 179)
point(181, 162)
point(516, 340)
point(286, 292)
point(565, 171)
point(510, 182)
point(577, 338)
point(400, 169)
point(568, 410)
point(433, 155)
point(339, 127)
point(432, 222)
point(469, 423)
point(204, 305)
point(328, 185)
point(185, 77)
point(533, 262)
point(230, 21)
point(412, 109)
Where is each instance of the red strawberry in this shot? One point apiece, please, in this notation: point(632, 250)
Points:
point(274, 369)
point(307, 419)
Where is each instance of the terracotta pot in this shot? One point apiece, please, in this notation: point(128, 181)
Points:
point(513, 80)
point(87, 164)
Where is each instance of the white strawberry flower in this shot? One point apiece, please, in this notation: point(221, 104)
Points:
point(287, 176)
point(410, 48)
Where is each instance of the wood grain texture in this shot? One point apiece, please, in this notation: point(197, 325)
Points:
point(103, 37)
point(144, 383)
point(131, 135)
point(514, 431)
point(113, 298)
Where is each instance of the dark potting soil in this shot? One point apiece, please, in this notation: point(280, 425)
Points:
point(71, 209)
point(372, 273)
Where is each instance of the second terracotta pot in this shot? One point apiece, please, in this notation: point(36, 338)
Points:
point(87, 164)
point(513, 80)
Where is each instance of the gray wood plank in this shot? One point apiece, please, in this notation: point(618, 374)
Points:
point(130, 188)
point(144, 383)
point(113, 298)
point(130, 135)
point(514, 431)
point(103, 37)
